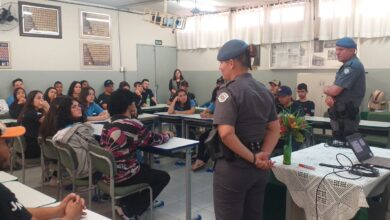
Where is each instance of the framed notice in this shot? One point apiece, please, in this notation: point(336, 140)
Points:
point(95, 25)
point(5, 55)
point(38, 20)
point(289, 55)
point(324, 54)
point(95, 55)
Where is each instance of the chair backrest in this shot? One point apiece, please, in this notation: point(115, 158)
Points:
point(67, 156)
point(19, 144)
point(102, 161)
point(379, 116)
point(48, 148)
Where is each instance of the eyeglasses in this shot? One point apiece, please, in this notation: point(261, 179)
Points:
point(76, 106)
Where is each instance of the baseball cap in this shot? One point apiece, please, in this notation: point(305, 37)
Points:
point(346, 42)
point(276, 82)
point(302, 86)
point(231, 49)
point(284, 91)
point(10, 132)
point(108, 82)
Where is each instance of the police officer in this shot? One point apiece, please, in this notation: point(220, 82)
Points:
point(248, 127)
point(346, 94)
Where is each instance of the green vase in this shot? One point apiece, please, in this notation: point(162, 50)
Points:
point(287, 149)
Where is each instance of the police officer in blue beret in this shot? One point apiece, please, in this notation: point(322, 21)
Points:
point(346, 94)
point(247, 124)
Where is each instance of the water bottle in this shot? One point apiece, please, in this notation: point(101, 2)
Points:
point(148, 101)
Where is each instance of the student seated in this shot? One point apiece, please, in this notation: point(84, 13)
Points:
point(50, 94)
point(59, 87)
point(92, 110)
point(124, 85)
point(65, 123)
point(84, 84)
point(20, 99)
point(74, 90)
point(16, 84)
point(184, 85)
point(307, 105)
point(138, 90)
point(148, 93)
point(31, 117)
point(105, 96)
point(182, 104)
point(122, 136)
point(71, 207)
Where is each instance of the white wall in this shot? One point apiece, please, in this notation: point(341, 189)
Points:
point(59, 59)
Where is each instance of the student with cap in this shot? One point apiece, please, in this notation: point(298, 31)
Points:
point(71, 207)
point(286, 103)
point(105, 96)
point(307, 105)
point(247, 124)
point(346, 94)
point(274, 86)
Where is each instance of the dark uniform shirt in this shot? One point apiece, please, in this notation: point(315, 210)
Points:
point(10, 208)
point(103, 99)
point(351, 77)
point(145, 94)
point(308, 107)
point(247, 105)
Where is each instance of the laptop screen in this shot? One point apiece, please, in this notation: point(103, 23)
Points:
point(359, 147)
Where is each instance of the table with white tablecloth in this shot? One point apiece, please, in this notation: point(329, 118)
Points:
point(337, 197)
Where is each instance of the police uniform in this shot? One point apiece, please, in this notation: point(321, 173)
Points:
point(345, 112)
point(249, 106)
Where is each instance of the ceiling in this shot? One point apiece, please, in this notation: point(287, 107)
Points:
point(177, 7)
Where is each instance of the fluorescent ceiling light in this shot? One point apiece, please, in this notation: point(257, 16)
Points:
point(98, 19)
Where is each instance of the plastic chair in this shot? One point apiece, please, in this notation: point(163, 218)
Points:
point(49, 151)
point(104, 162)
point(68, 160)
point(19, 147)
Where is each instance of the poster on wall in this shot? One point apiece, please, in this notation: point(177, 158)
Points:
point(324, 54)
point(95, 55)
point(5, 55)
point(95, 25)
point(38, 20)
point(289, 55)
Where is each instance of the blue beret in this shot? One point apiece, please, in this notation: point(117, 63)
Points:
point(231, 49)
point(346, 42)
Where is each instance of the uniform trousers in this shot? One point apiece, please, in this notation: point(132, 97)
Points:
point(239, 189)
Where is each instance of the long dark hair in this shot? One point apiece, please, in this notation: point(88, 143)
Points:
point(46, 94)
point(83, 96)
point(187, 104)
point(29, 105)
point(16, 92)
point(174, 73)
point(71, 87)
point(59, 116)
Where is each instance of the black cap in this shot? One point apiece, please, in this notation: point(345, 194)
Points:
point(302, 86)
point(284, 91)
point(108, 83)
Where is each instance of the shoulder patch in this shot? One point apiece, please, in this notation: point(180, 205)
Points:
point(347, 70)
point(223, 97)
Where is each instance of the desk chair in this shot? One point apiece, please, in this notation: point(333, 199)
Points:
point(104, 162)
point(19, 147)
point(68, 160)
point(49, 152)
point(373, 139)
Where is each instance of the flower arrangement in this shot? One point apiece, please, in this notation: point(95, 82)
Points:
point(292, 125)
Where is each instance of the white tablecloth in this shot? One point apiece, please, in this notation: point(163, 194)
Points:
point(337, 198)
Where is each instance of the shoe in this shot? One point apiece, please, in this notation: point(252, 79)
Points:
point(198, 165)
point(158, 203)
point(197, 217)
point(123, 215)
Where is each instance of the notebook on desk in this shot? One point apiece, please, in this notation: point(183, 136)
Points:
point(364, 153)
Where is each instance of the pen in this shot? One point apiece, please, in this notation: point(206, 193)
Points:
point(306, 166)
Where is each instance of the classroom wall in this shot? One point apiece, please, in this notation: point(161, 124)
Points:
point(201, 67)
point(41, 61)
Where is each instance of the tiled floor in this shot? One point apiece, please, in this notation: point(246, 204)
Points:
point(173, 195)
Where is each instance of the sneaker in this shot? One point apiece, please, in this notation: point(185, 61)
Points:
point(123, 215)
point(197, 217)
point(158, 203)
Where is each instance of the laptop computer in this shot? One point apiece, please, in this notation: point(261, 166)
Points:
point(364, 154)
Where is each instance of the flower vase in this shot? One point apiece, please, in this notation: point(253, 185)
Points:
point(287, 149)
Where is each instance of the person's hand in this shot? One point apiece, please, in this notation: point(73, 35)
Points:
point(169, 133)
point(329, 100)
point(175, 99)
point(62, 206)
point(74, 208)
point(263, 162)
point(45, 105)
